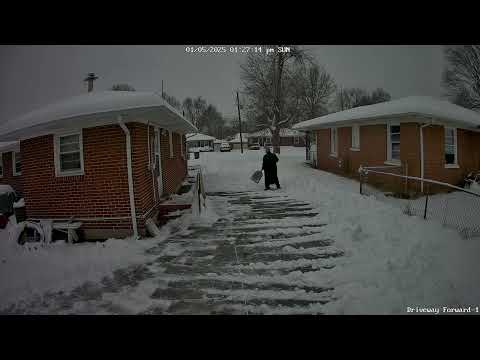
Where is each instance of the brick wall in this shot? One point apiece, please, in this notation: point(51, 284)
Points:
point(102, 192)
point(468, 146)
point(16, 182)
point(100, 196)
point(174, 169)
point(373, 152)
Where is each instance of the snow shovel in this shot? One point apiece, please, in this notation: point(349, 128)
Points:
point(257, 176)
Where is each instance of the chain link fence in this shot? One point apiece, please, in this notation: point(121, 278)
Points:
point(450, 205)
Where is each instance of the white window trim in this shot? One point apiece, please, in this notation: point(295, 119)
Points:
point(56, 145)
point(455, 143)
point(170, 141)
point(14, 166)
point(1, 163)
point(389, 160)
point(357, 146)
point(334, 153)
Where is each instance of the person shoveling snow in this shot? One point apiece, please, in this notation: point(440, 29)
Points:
point(269, 166)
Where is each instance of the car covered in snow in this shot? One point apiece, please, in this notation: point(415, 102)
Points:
point(254, 146)
point(225, 147)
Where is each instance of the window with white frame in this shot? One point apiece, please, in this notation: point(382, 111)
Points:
point(1, 164)
point(69, 154)
point(356, 137)
point(393, 142)
point(450, 146)
point(170, 139)
point(16, 163)
point(333, 141)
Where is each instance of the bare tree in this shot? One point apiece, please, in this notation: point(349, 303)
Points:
point(355, 97)
point(461, 77)
point(187, 106)
point(122, 87)
point(264, 79)
point(172, 100)
point(315, 87)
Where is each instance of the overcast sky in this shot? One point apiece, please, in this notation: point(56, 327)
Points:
point(33, 76)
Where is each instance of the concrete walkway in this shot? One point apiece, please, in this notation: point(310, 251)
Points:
point(256, 260)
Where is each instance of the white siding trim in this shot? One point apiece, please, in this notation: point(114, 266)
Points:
point(56, 146)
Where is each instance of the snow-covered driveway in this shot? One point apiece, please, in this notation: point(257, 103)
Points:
point(252, 259)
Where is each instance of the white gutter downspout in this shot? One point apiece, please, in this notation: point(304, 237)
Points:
point(130, 176)
point(422, 155)
point(150, 167)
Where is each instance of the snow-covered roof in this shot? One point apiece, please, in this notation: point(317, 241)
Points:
point(94, 109)
point(9, 146)
point(199, 137)
point(413, 105)
point(236, 139)
point(283, 133)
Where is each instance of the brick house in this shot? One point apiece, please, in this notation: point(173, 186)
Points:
point(108, 159)
point(288, 137)
point(425, 137)
point(196, 141)
point(235, 141)
point(11, 165)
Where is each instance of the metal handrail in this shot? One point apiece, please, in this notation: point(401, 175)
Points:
point(365, 171)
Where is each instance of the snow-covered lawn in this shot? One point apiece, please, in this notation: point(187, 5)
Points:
point(392, 260)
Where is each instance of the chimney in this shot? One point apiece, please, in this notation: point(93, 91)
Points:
point(90, 79)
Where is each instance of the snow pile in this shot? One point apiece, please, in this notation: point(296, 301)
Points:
point(19, 204)
point(391, 260)
point(475, 187)
point(36, 269)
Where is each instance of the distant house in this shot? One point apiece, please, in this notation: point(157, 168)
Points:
point(11, 165)
point(216, 145)
point(288, 137)
point(105, 158)
point(235, 141)
point(433, 139)
point(199, 142)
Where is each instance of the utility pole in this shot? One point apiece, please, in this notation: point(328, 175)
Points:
point(240, 124)
point(163, 97)
point(90, 79)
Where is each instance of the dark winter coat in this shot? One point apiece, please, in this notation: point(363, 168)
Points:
point(269, 166)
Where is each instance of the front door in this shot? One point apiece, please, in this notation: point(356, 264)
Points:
point(158, 162)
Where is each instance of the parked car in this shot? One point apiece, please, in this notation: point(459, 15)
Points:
point(254, 146)
point(205, 149)
point(225, 147)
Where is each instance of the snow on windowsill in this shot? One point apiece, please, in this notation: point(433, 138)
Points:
point(452, 166)
point(354, 149)
point(393, 163)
